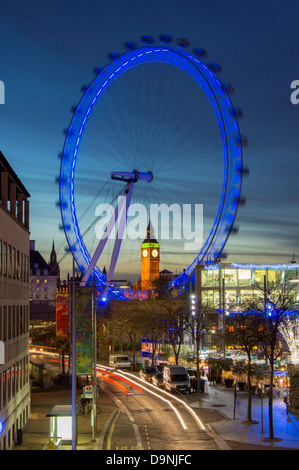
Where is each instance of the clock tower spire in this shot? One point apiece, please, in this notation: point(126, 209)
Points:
point(150, 259)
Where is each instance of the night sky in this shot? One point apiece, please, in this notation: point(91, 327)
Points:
point(49, 50)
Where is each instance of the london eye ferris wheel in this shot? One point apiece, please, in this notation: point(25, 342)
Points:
point(155, 124)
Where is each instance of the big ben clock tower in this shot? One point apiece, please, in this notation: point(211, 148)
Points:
point(150, 260)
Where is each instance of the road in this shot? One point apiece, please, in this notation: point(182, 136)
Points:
point(151, 419)
point(134, 418)
point(144, 417)
point(50, 360)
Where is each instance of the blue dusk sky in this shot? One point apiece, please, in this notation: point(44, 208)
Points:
point(49, 50)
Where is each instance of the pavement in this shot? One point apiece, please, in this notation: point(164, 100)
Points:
point(36, 433)
point(234, 428)
point(227, 422)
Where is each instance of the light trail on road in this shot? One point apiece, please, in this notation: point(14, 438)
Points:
point(220, 442)
point(129, 382)
point(108, 379)
point(152, 393)
point(199, 422)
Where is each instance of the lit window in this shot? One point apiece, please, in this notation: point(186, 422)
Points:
point(244, 276)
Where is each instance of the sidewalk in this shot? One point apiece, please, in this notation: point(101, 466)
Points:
point(37, 431)
point(220, 398)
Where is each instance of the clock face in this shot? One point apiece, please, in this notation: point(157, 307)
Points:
point(144, 253)
point(155, 253)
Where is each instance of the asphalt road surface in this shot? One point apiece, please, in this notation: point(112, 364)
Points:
point(150, 419)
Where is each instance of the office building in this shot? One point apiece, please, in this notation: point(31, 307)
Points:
point(14, 305)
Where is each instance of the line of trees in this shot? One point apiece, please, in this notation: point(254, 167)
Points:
point(160, 320)
point(259, 323)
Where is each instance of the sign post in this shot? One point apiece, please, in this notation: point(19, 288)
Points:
point(74, 376)
point(88, 391)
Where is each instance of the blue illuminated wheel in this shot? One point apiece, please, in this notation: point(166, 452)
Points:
point(192, 63)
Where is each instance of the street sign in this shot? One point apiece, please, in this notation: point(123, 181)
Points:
point(2, 358)
point(88, 391)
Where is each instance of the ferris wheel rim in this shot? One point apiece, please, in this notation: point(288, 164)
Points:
point(232, 151)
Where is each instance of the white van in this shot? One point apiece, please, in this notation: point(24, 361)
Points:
point(176, 378)
point(119, 361)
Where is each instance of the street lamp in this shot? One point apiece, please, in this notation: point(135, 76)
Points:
point(193, 304)
point(74, 377)
point(269, 308)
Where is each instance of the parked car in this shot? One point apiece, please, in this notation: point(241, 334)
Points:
point(146, 373)
point(157, 379)
point(176, 378)
point(120, 361)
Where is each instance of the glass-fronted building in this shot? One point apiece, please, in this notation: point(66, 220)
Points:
point(238, 282)
point(223, 286)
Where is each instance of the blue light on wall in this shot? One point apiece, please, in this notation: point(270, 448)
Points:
point(103, 302)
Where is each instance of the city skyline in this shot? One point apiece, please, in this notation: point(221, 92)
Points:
point(50, 50)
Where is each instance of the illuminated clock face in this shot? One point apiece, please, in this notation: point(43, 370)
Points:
point(144, 253)
point(155, 253)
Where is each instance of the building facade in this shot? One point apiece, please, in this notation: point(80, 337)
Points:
point(224, 286)
point(54, 266)
point(14, 305)
point(235, 283)
point(43, 287)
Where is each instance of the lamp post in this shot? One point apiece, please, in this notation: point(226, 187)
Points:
point(223, 316)
point(74, 377)
point(94, 394)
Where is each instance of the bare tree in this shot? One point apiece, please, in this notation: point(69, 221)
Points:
point(196, 326)
point(278, 306)
point(129, 314)
point(151, 324)
point(243, 331)
point(107, 333)
point(175, 315)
